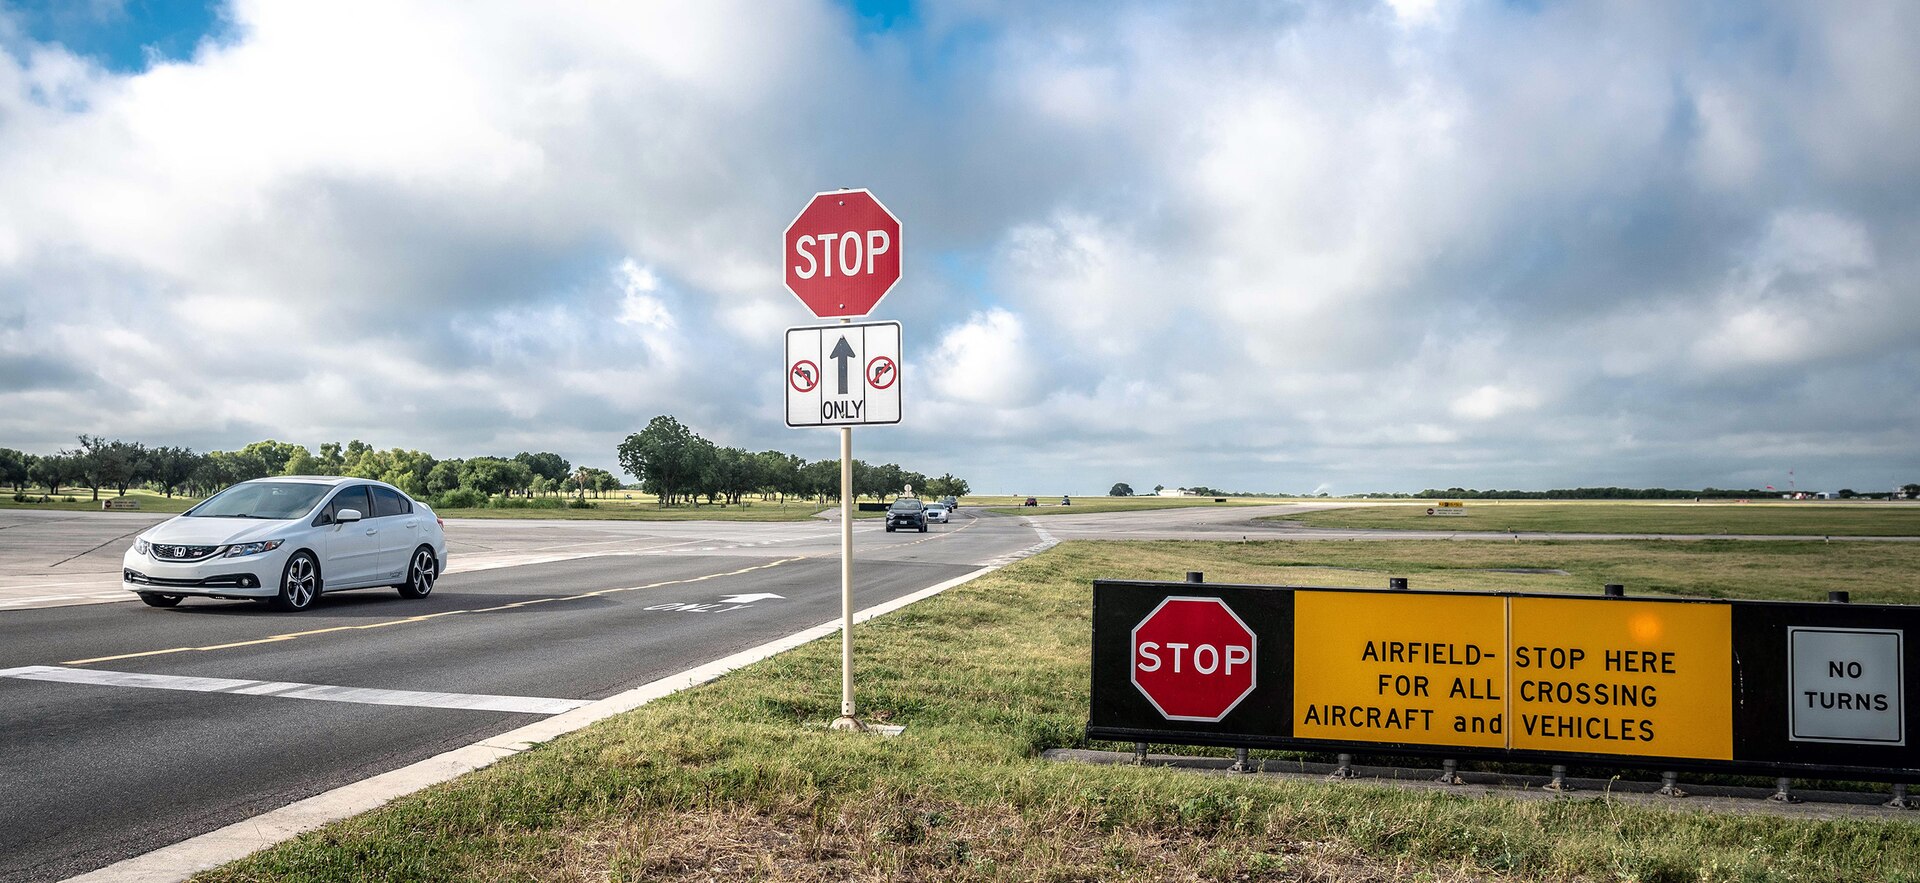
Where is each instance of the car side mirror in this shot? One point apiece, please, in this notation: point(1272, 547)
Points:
point(346, 516)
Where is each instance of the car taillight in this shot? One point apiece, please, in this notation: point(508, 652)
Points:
point(440, 521)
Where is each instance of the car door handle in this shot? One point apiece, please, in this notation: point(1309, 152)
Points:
point(372, 530)
point(413, 522)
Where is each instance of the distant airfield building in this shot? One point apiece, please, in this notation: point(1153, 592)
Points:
point(1175, 492)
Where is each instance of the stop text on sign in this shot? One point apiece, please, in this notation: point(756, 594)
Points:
point(842, 253)
point(854, 256)
point(1193, 659)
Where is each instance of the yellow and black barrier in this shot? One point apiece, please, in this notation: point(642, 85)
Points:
point(1784, 689)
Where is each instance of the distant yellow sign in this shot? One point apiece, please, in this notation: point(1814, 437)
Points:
point(1376, 667)
point(1622, 677)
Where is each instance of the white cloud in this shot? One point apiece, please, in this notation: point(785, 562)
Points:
point(987, 361)
point(1384, 244)
point(638, 306)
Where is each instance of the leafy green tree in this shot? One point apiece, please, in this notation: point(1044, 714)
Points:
point(821, 479)
point(303, 463)
point(1121, 489)
point(664, 457)
point(493, 475)
point(443, 477)
point(171, 467)
point(273, 456)
point(331, 461)
point(780, 473)
point(553, 467)
point(14, 467)
point(109, 463)
point(53, 470)
point(732, 472)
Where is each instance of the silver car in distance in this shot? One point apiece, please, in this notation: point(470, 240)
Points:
point(285, 540)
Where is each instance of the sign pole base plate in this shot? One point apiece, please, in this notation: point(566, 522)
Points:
point(848, 723)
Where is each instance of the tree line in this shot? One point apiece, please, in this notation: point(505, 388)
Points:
point(99, 463)
point(674, 463)
point(669, 459)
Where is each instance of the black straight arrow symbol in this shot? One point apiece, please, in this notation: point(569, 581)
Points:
point(841, 353)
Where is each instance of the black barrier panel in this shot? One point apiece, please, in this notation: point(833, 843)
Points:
point(1776, 688)
point(1848, 698)
point(1125, 711)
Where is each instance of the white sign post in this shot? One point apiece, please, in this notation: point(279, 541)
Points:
point(843, 375)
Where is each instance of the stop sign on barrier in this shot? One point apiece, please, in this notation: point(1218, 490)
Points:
point(1194, 659)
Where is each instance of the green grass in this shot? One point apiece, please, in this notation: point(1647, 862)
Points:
point(648, 510)
point(1777, 518)
point(83, 500)
point(741, 779)
point(1083, 505)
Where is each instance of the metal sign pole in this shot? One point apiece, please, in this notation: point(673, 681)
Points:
point(846, 720)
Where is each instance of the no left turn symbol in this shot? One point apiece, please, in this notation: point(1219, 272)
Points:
point(881, 372)
point(804, 375)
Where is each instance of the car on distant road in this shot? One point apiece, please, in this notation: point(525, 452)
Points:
point(1031, 502)
point(907, 513)
point(287, 540)
point(951, 502)
point(937, 513)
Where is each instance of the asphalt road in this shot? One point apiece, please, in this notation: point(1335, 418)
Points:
point(109, 748)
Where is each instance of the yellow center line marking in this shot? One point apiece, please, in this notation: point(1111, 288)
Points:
point(290, 636)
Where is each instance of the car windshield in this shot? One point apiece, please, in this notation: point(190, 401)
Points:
point(279, 500)
point(906, 505)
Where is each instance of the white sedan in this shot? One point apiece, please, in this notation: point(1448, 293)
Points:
point(287, 540)
point(936, 513)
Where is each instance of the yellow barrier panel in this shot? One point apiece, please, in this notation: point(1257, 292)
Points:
point(1622, 677)
point(1377, 667)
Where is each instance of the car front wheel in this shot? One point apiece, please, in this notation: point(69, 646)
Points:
point(421, 574)
point(299, 583)
point(155, 599)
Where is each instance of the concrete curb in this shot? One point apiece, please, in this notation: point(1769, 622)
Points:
point(243, 838)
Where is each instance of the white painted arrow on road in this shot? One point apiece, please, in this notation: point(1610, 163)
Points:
point(749, 599)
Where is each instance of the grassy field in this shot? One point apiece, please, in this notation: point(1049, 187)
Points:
point(1775, 518)
point(1083, 505)
point(646, 508)
point(740, 779)
point(83, 500)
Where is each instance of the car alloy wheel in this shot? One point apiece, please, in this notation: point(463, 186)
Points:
point(421, 574)
point(299, 584)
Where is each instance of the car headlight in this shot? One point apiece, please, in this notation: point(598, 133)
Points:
point(244, 549)
point(140, 545)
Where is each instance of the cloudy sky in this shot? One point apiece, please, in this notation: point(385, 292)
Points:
point(1341, 247)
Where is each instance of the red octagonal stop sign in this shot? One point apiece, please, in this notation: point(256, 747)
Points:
point(842, 253)
point(1193, 658)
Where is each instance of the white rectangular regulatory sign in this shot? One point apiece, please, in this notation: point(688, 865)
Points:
point(1846, 686)
point(843, 375)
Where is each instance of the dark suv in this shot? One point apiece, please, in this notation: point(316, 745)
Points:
point(907, 512)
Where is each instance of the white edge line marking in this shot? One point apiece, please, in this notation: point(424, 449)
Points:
point(317, 692)
point(243, 838)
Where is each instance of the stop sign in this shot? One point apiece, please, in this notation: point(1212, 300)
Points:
point(842, 253)
point(1193, 658)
